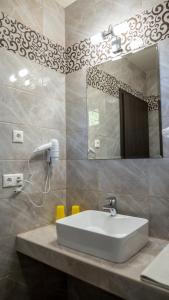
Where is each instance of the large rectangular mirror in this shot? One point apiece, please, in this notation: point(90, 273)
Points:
point(123, 103)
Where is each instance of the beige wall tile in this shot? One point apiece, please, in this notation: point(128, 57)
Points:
point(34, 103)
point(27, 12)
point(54, 21)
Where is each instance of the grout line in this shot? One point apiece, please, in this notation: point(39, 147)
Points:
point(17, 89)
point(30, 125)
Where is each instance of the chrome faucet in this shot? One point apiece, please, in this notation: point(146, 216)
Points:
point(111, 206)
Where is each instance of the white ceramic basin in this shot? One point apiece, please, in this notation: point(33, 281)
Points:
point(99, 234)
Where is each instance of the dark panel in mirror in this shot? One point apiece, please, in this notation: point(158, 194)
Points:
point(123, 102)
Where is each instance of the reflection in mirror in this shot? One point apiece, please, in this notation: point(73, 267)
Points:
point(123, 102)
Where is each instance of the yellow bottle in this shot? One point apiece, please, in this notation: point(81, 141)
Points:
point(59, 212)
point(75, 209)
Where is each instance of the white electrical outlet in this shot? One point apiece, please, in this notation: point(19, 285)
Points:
point(10, 180)
point(97, 144)
point(17, 136)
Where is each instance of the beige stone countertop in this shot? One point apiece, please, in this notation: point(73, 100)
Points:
point(120, 279)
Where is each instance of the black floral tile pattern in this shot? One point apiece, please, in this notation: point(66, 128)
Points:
point(156, 23)
point(16, 37)
point(78, 55)
point(103, 81)
point(135, 31)
point(84, 54)
point(153, 102)
point(110, 85)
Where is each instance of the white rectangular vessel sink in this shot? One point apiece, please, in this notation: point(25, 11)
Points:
point(114, 238)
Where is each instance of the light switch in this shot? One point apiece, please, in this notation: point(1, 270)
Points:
point(17, 136)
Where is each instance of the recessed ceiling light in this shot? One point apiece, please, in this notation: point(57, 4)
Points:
point(27, 82)
point(23, 72)
point(97, 38)
point(13, 78)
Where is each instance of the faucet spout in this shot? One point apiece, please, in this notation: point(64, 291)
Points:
point(113, 212)
point(111, 207)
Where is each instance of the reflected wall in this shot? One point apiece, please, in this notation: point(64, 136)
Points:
point(138, 75)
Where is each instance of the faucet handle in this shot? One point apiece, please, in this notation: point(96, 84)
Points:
point(112, 201)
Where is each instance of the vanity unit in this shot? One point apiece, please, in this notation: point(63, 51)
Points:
point(122, 280)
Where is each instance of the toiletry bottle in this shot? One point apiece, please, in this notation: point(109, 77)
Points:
point(59, 212)
point(75, 209)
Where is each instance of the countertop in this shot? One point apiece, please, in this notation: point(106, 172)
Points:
point(120, 279)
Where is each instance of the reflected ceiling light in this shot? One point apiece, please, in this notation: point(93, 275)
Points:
point(121, 28)
point(13, 78)
point(97, 39)
point(45, 81)
point(23, 72)
point(27, 82)
point(136, 44)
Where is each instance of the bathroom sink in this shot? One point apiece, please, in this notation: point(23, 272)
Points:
point(97, 233)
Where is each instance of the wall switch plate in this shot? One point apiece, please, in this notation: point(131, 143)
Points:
point(10, 180)
point(17, 136)
point(97, 144)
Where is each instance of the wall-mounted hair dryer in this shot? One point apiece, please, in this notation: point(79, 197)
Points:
point(52, 149)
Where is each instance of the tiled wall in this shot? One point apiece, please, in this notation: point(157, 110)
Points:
point(44, 16)
point(141, 186)
point(103, 84)
point(35, 104)
point(105, 127)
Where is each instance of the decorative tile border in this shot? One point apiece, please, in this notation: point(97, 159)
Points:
point(110, 85)
point(102, 81)
point(18, 38)
point(84, 54)
point(156, 23)
point(151, 27)
point(153, 102)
